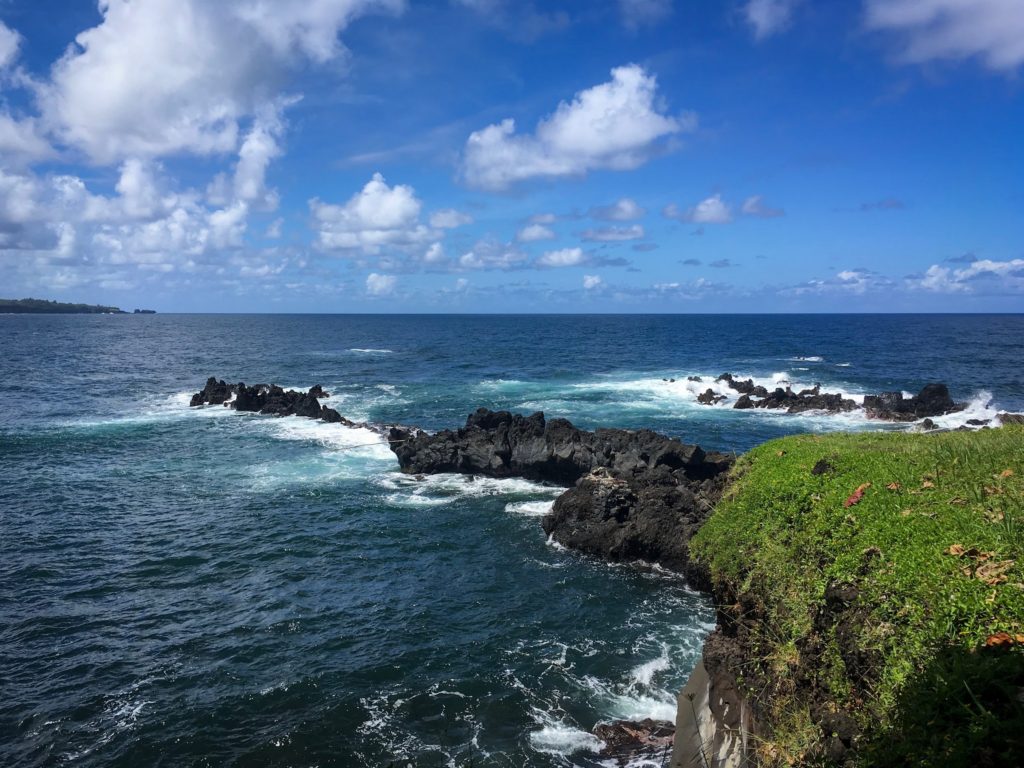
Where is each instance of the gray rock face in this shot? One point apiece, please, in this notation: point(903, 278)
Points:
point(636, 495)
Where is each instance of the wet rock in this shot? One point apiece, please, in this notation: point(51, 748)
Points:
point(710, 397)
point(629, 742)
point(269, 400)
point(1010, 418)
point(216, 392)
point(932, 400)
point(697, 379)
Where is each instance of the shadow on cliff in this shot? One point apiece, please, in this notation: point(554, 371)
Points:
point(965, 709)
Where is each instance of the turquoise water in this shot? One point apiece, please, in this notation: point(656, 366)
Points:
point(198, 587)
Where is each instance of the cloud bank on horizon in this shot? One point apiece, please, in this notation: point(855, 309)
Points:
point(638, 155)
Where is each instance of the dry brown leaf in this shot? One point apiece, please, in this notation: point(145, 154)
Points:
point(906, 512)
point(780, 453)
point(958, 500)
point(1006, 473)
point(894, 486)
point(857, 495)
point(993, 491)
point(994, 515)
point(927, 484)
point(993, 573)
point(999, 640)
point(957, 550)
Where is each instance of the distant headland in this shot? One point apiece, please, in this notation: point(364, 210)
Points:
point(43, 306)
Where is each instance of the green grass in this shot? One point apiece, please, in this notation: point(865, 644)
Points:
point(908, 661)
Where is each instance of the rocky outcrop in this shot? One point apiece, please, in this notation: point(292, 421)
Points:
point(1010, 418)
point(798, 402)
point(932, 400)
point(635, 495)
point(269, 400)
point(710, 397)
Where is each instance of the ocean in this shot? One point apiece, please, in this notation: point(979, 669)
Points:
point(201, 587)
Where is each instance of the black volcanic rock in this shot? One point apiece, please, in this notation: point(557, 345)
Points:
point(631, 742)
point(269, 400)
point(214, 393)
point(637, 495)
point(502, 444)
point(932, 400)
point(710, 397)
point(798, 402)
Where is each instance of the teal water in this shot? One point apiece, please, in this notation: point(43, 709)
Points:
point(199, 587)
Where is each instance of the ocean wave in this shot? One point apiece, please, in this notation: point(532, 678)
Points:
point(530, 508)
point(558, 737)
point(368, 351)
point(809, 359)
point(437, 490)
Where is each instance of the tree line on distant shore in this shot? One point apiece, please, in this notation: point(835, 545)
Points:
point(44, 306)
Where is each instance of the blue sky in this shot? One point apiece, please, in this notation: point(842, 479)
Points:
point(491, 155)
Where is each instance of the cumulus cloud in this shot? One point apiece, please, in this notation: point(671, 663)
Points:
point(613, 234)
point(591, 282)
point(449, 218)
point(533, 233)
point(768, 17)
point(755, 206)
point(492, 254)
point(712, 210)
point(543, 218)
point(10, 42)
point(624, 209)
point(615, 125)
point(380, 285)
point(565, 257)
point(378, 216)
point(979, 276)
point(156, 77)
point(992, 30)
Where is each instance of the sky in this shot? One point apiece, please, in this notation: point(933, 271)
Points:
point(514, 155)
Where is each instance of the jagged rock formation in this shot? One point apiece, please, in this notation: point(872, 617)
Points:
point(932, 400)
point(636, 495)
point(268, 400)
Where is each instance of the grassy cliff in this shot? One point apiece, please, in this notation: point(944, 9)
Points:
point(875, 586)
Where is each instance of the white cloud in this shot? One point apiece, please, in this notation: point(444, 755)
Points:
point(533, 233)
point(980, 276)
point(434, 254)
point(158, 77)
point(755, 206)
point(543, 218)
point(566, 257)
point(274, 229)
point(614, 234)
point(712, 210)
point(449, 218)
point(615, 125)
point(590, 282)
point(10, 42)
point(21, 142)
point(624, 209)
point(461, 285)
point(491, 254)
point(259, 147)
point(992, 30)
point(639, 13)
point(767, 17)
point(376, 217)
point(380, 285)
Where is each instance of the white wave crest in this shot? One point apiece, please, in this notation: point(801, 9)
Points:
point(369, 351)
point(530, 508)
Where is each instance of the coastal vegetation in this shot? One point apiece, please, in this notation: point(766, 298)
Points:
point(43, 306)
point(873, 586)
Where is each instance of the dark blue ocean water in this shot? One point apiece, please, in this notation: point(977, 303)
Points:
point(200, 587)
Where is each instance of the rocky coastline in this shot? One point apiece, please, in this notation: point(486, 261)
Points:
point(631, 496)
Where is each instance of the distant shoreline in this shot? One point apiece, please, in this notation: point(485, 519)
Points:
point(45, 307)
